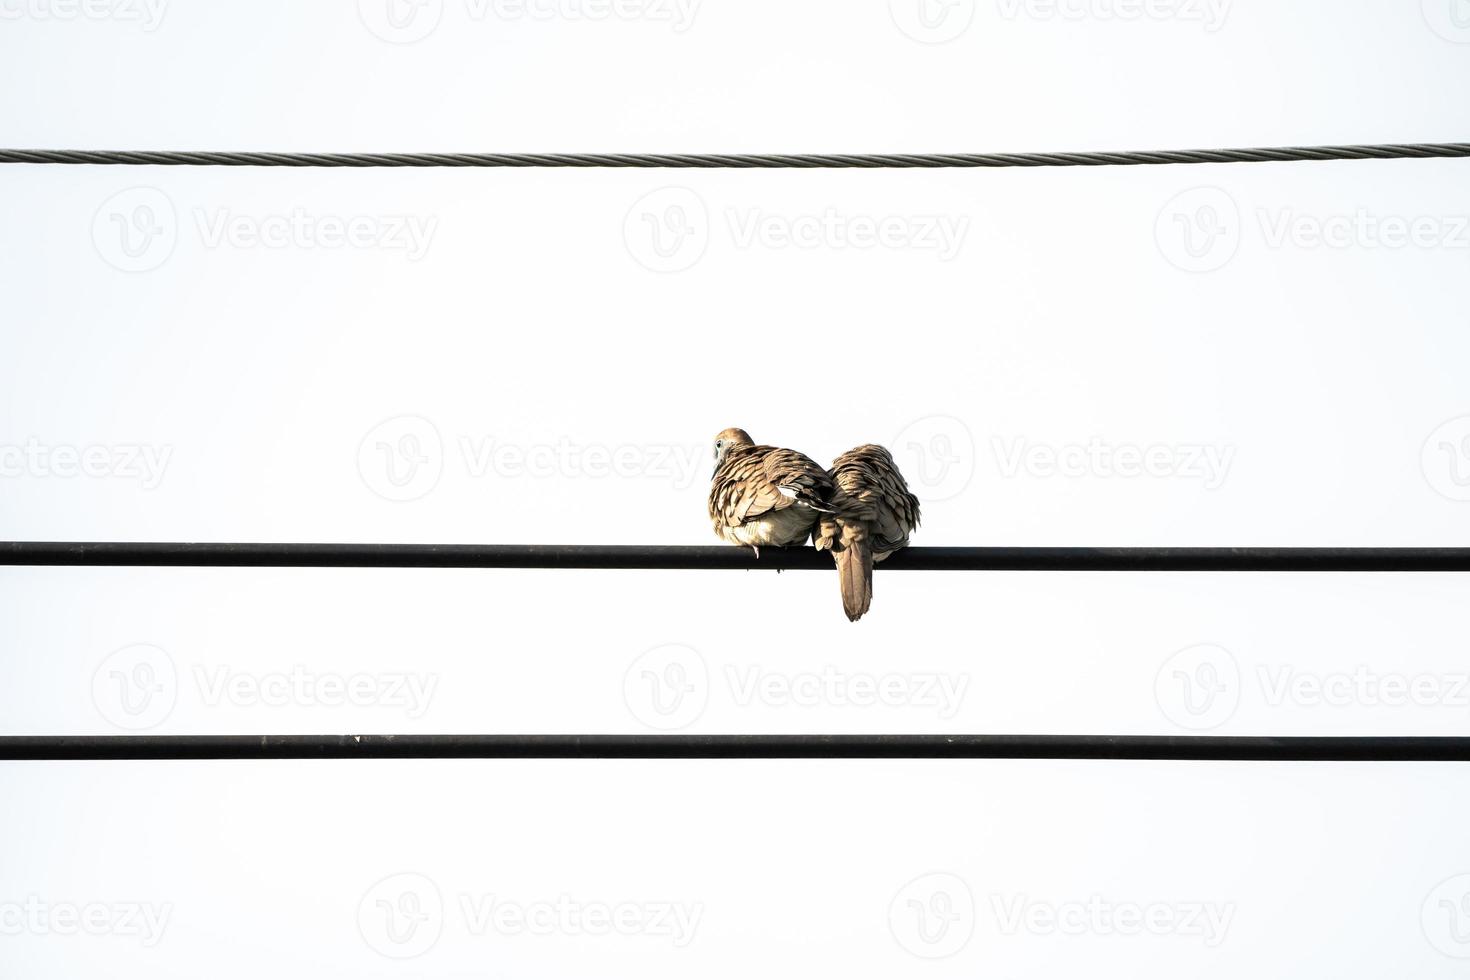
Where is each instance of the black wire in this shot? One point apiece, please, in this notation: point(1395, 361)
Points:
point(293, 555)
point(1136, 747)
point(764, 161)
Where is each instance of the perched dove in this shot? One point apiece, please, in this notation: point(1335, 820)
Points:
point(873, 516)
point(761, 495)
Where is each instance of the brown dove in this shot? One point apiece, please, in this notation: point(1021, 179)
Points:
point(761, 495)
point(873, 516)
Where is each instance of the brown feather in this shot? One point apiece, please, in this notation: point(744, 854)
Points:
point(874, 514)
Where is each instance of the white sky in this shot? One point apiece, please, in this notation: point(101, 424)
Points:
point(521, 330)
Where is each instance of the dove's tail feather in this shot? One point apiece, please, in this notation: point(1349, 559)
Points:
point(855, 577)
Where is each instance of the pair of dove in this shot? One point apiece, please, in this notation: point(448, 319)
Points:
point(860, 510)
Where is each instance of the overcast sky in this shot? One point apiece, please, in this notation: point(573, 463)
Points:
point(1264, 355)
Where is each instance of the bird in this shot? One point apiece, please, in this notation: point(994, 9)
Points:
point(764, 496)
point(872, 516)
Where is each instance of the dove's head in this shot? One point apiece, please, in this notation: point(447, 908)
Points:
point(728, 438)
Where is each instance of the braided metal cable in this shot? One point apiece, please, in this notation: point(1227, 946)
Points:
point(757, 161)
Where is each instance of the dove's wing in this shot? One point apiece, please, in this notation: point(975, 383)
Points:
point(757, 480)
point(872, 515)
point(870, 480)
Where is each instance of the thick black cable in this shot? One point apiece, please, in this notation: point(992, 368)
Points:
point(294, 555)
point(752, 161)
point(1106, 747)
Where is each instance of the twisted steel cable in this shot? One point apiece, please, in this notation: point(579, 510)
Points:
point(756, 161)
